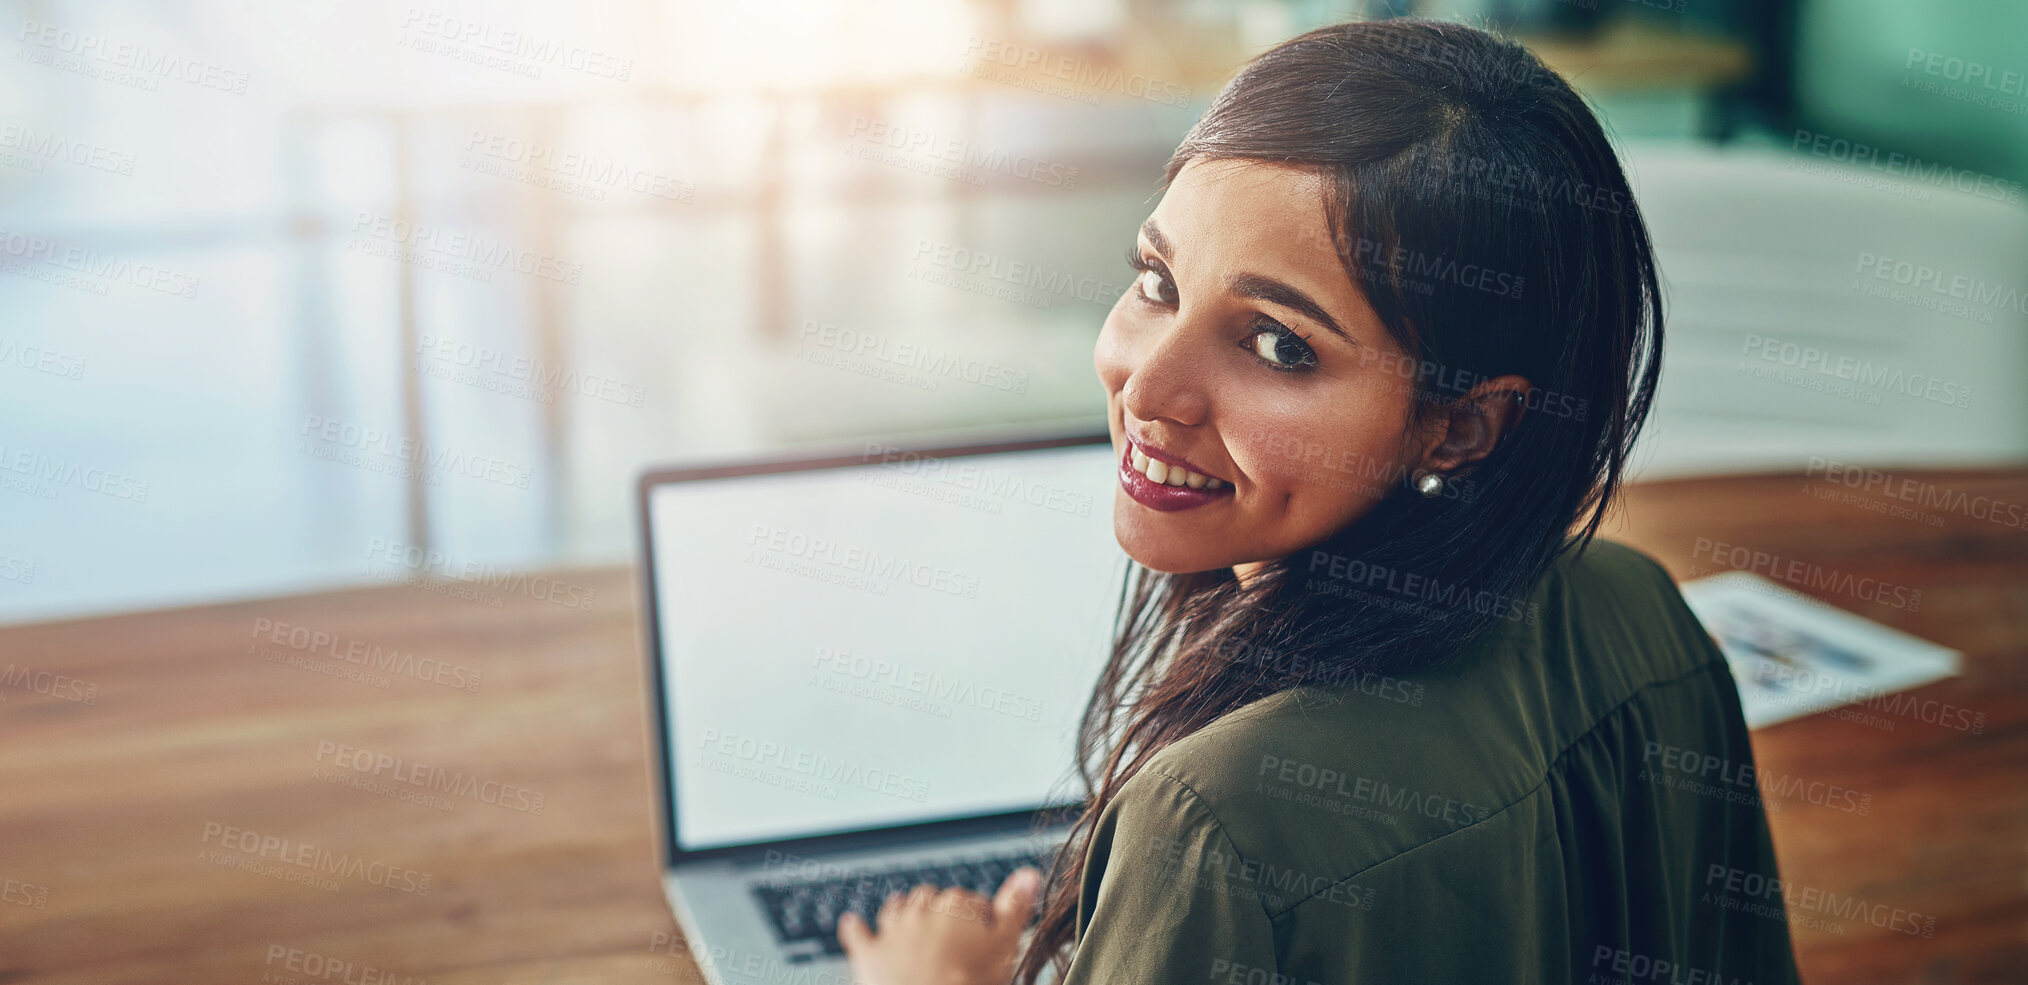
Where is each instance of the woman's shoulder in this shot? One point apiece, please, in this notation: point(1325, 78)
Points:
point(1600, 562)
point(1347, 776)
point(1328, 784)
point(1611, 616)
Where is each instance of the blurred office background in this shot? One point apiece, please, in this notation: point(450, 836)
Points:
point(288, 281)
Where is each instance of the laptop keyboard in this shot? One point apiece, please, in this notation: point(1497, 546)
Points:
point(805, 914)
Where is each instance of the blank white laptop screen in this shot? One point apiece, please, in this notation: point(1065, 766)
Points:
point(884, 643)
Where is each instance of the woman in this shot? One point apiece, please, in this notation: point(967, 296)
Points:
point(1380, 707)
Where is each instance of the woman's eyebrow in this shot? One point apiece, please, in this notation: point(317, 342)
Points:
point(1272, 291)
point(1154, 234)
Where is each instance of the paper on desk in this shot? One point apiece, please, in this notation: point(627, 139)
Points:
point(1793, 655)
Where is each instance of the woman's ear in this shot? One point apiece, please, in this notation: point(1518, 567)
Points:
point(1472, 427)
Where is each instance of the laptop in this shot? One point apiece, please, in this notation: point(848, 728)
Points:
point(867, 670)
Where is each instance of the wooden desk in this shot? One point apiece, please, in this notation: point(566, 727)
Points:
point(131, 810)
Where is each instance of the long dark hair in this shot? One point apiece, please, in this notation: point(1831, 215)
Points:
point(1479, 206)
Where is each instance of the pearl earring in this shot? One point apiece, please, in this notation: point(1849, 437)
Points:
point(1429, 484)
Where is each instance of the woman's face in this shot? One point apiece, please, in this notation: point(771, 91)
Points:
point(1244, 353)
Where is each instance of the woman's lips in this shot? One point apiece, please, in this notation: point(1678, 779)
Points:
point(1162, 496)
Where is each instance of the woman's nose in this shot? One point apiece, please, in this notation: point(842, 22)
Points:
point(1166, 374)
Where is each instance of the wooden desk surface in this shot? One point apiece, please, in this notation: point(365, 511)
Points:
point(174, 804)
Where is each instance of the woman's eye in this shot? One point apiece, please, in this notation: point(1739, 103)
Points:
point(1282, 348)
point(1154, 286)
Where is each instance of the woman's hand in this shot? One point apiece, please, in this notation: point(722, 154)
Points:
point(952, 937)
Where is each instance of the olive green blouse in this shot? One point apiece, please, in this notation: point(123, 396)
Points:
point(1560, 804)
